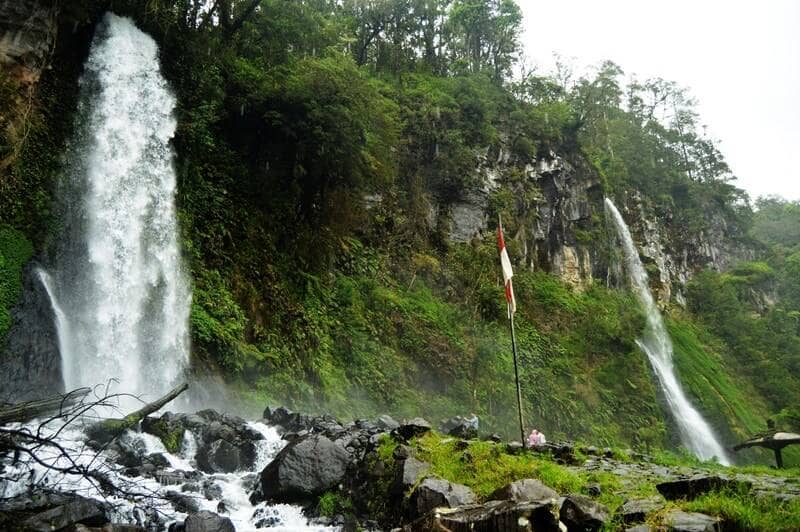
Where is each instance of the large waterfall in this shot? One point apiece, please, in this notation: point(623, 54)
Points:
point(118, 284)
point(695, 432)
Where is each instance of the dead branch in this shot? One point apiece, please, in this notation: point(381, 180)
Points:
point(23, 412)
point(106, 430)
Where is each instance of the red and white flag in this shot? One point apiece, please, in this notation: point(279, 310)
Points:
point(505, 263)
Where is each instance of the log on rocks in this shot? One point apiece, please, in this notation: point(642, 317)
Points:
point(106, 430)
point(22, 412)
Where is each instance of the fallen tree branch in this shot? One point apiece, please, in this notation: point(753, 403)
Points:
point(106, 430)
point(22, 412)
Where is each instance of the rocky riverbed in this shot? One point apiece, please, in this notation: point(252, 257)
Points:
point(290, 471)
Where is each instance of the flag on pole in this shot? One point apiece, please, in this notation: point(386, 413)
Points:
point(505, 262)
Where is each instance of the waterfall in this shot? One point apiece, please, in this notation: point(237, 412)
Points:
point(117, 280)
point(695, 432)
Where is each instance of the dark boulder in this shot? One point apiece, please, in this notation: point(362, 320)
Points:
point(409, 471)
point(637, 510)
point(692, 487)
point(579, 512)
point(413, 429)
point(219, 457)
point(108, 527)
point(306, 467)
point(494, 516)
point(459, 427)
point(182, 502)
point(68, 510)
point(206, 521)
point(679, 521)
point(514, 447)
point(525, 490)
point(435, 493)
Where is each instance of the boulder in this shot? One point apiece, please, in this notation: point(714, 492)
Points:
point(494, 516)
point(206, 521)
point(692, 487)
point(219, 457)
point(459, 427)
point(525, 490)
point(182, 502)
point(67, 511)
point(387, 423)
point(409, 472)
point(414, 428)
point(306, 467)
point(109, 527)
point(514, 447)
point(436, 493)
point(579, 512)
point(679, 521)
point(636, 510)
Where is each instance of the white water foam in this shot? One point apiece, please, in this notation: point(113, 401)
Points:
point(118, 280)
point(695, 432)
point(131, 509)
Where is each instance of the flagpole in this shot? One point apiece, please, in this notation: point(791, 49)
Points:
point(516, 376)
point(511, 307)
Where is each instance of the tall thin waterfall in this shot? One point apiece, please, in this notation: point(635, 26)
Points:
point(695, 432)
point(118, 280)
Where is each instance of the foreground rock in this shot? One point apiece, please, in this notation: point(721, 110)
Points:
point(460, 427)
point(51, 511)
point(637, 510)
point(679, 521)
point(206, 521)
point(435, 493)
point(307, 467)
point(579, 512)
point(693, 487)
point(225, 443)
point(525, 490)
point(494, 516)
point(413, 429)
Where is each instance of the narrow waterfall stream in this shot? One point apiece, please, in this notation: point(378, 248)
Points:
point(118, 277)
point(695, 432)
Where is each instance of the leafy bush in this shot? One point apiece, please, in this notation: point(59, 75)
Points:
point(15, 251)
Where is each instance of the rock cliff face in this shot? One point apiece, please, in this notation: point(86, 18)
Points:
point(672, 255)
point(564, 232)
point(27, 35)
point(552, 234)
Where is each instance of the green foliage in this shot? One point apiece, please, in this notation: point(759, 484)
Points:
point(485, 466)
point(172, 439)
point(332, 503)
point(776, 222)
point(765, 349)
point(15, 251)
point(743, 511)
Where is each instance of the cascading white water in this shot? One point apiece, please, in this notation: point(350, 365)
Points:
point(118, 278)
point(695, 432)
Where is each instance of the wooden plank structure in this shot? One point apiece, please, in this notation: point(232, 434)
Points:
point(775, 441)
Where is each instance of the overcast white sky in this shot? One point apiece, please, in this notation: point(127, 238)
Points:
point(740, 60)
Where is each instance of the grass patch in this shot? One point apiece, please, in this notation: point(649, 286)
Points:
point(485, 466)
point(743, 511)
